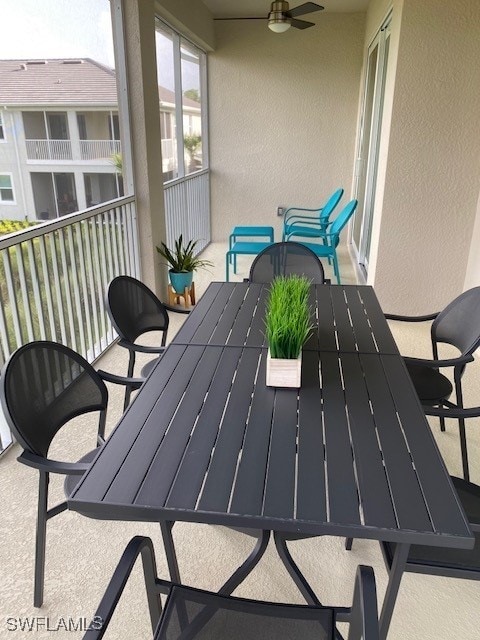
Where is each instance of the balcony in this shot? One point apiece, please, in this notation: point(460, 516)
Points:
point(49, 149)
point(81, 552)
point(99, 149)
point(60, 150)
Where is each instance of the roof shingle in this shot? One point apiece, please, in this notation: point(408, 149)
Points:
point(79, 81)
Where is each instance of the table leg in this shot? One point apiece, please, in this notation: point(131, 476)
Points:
point(192, 628)
point(395, 576)
point(166, 528)
point(246, 567)
point(292, 568)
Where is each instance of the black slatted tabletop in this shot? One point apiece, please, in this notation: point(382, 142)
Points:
point(346, 318)
point(349, 453)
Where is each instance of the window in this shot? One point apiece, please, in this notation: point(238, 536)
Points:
point(181, 78)
point(57, 126)
point(2, 128)
point(192, 58)
point(82, 126)
point(6, 188)
point(54, 194)
point(114, 127)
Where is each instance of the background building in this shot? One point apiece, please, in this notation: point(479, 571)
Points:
point(60, 140)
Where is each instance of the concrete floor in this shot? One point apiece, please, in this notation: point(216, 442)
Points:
point(81, 553)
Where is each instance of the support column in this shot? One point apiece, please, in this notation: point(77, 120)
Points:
point(135, 61)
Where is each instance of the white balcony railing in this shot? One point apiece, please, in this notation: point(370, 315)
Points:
point(49, 149)
point(53, 279)
point(99, 149)
point(53, 276)
point(64, 150)
point(187, 208)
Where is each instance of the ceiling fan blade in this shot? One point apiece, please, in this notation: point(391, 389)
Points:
point(301, 24)
point(302, 9)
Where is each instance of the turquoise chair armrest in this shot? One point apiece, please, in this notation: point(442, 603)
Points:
point(308, 222)
point(288, 217)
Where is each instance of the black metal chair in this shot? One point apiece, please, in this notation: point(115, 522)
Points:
point(285, 258)
point(454, 563)
point(193, 613)
point(458, 325)
point(135, 310)
point(43, 386)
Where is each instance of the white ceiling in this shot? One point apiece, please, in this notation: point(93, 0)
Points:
point(260, 8)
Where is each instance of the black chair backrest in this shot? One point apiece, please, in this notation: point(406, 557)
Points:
point(134, 309)
point(43, 386)
point(459, 323)
point(286, 258)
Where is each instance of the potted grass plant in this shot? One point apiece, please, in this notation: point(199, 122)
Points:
point(288, 326)
point(182, 262)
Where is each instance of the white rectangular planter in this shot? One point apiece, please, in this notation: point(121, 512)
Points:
point(284, 373)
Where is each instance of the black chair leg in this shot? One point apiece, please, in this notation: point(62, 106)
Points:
point(442, 424)
point(463, 449)
point(128, 389)
point(101, 428)
point(40, 542)
point(348, 544)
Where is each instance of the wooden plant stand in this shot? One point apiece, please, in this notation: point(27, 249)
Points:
point(185, 299)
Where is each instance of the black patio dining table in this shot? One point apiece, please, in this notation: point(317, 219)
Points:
point(348, 454)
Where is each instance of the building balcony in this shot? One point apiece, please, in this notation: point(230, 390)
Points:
point(67, 150)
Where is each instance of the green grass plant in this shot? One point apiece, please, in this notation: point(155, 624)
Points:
point(288, 319)
point(11, 226)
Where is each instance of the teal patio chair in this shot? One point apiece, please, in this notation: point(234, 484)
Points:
point(331, 237)
point(313, 225)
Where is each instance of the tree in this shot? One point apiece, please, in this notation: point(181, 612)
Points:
point(117, 162)
point(193, 94)
point(192, 142)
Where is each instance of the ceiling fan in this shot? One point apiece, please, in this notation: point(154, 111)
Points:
point(281, 18)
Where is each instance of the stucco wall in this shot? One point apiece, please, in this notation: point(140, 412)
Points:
point(432, 175)
point(283, 111)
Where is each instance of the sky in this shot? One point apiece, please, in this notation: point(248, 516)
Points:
point(32, 29)
point(56, 29)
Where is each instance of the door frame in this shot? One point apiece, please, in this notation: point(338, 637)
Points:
point(367, 154)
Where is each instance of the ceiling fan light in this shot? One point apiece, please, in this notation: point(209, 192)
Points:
point(278, 22)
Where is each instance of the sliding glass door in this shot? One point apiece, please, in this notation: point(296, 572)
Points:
point(369, 144)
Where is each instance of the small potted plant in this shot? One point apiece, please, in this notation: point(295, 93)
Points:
point(288, 326)
point(182, 262)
